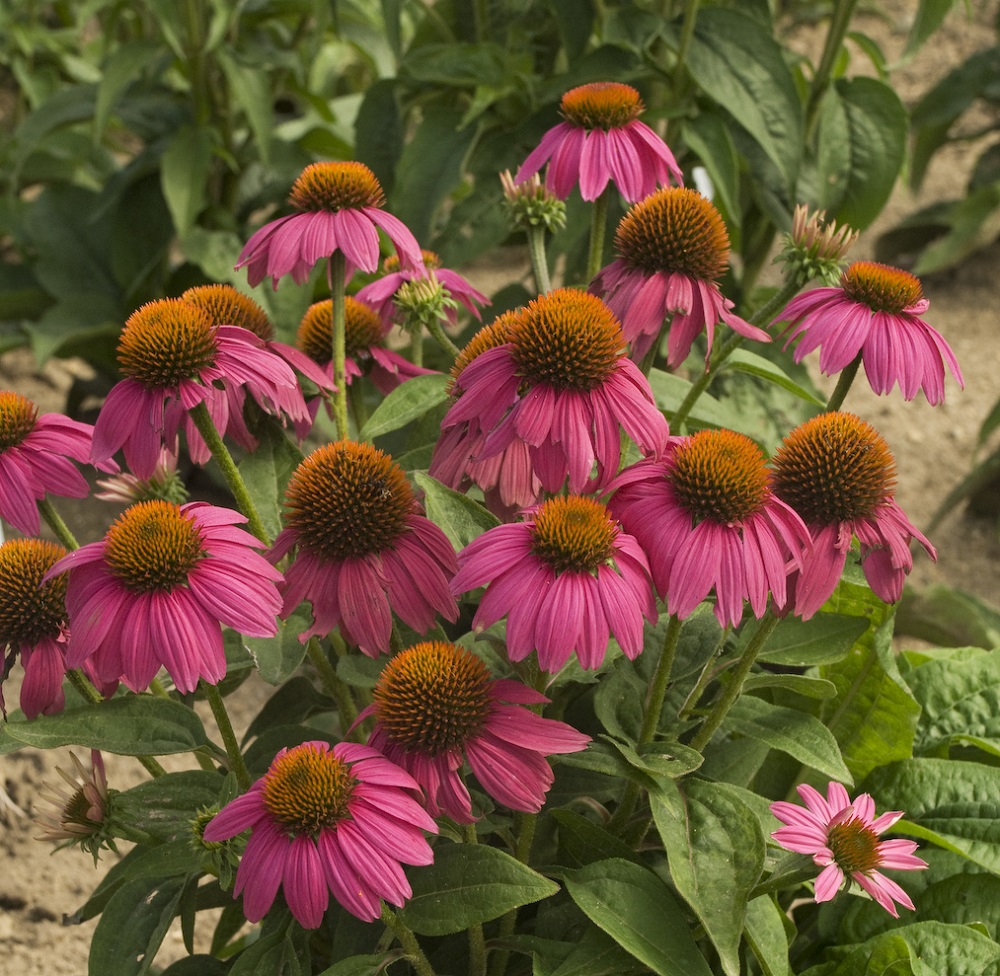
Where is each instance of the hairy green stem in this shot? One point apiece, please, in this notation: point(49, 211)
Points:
point(441, 338)
point(225, 726)
point(843, 10)
point(477, 940)
point(526, 824)
point(338, 691)
point(704, 679)
point(337, 271)
point(539, 259)
point(598, 226)
point(408, 941)
point(54, 521)
point(844, 382)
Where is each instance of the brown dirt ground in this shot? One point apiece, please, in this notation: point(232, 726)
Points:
point(933, 448)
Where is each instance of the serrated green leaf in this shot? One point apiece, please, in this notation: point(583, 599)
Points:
point(461, 518)
point(407, 402)
point(184, 169)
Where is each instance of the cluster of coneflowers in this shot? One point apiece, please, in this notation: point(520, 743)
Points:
point(544, 403)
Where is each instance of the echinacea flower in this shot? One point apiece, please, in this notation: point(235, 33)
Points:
point(561, 386)
point(876, 314)
point(601, 139)
point(672, 248)
point(174, 357)
point(82, 815)
point(35, 453)
point(324, 820)
point(364, 548)
point(156, 590)
point(706, 517)
point(436, 707)
point(843, 838)
point(338, 208)
point(838, 473)
point(566, 579)
point(165, 483)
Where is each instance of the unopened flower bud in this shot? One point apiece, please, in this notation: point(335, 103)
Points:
point(815, 247)
point(529, 204)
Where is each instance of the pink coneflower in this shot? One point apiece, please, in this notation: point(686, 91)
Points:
point(175, 358)
point(436, 706)
point(364, 335)
point(875, 313)
point(566, 579)
point(156, 590)
point(838, 473)
point(364, 548)
point(339, 209)
point(34, 459)
point(379, 294)
point(562, 387)
point(843, 838)
point(83, 814)
point(324, 820)
point(602, 140)
point(672, 247)
point(705, 515)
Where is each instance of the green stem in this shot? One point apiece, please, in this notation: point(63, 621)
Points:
point(527, 822)
point(778, 882)
point(844, 382)
point(442, 339)
point(417, 347)
point(339, 692)
point(408, 941)
point(222, 720)
point(539, 260)
point(687, 33)
point(598, 225)
point(707, 673)
point(842, 13)
point(57, 525)
point(206, 427)
point(734, 687)
point(337, 271)
point(477, 940)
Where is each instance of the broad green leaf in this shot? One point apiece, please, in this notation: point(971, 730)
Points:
point(467, 885)
point(165, 805)
point(124, 64)
point(279, 657)
point(640, 913)
point(765, 935)
point(200, 964)
point(660, 759)
point(802, 736)
point(133, 725)
point(266, 471)
point(407, 402)
point(888, 955)
point(974, 222)
point(707, 136)
point(250, 88)
point(955, 805)
point(930, 14)
point(749, 362)
point(581, 841)
point(65, 107)
point(184, 174)
point(379, 131)
point(715, 849)
point(798, 684)
point(669, 391)
point(215, 252)
point(824, 639)
point(948, 616)
point(356, 966)
point(461, 518)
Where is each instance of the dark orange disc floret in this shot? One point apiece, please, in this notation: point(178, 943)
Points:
point(601, 105)
point(433, 697)
point(153, 546)
point(675, 229)
point(881, 287)
point(854, 845)
point(362, 330)
point(432, 261)
point(834, 468)
point(720, 475)
point(17, 418)
point(29, 608)
point(574, 533)
point(348, 499)
point(307, 789)
point(166, 341)
point(227, 306)
point(568, 339)
point(488, 337)
point(336, 186)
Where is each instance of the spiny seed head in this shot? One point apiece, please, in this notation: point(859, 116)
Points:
point(854, 845)
point(574, 533)
point(153, 546)
point(601, 105)
point(834, 468)
point(166, 341)
point(568, 339)
point(348, 499)
point(30, 609)
point(227, 306)
point(488, 337)
point(881, 287)
point(433, 697)
point(308, 789)
point(336, 186)
point(362, 330)
point(720, 475)
point(675, 230)
point(18, 416)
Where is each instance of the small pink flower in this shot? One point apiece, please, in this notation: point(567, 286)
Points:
point(339, 208)
point(35, 453)
point(364, 548)
point(602, 140)
point(672, 247)
point(156, 590)
point(566, 579)
point(843, 838)
point(705, 515)
point(876, 314)
point(436, 707)
point(324, 820)
point(837, 472)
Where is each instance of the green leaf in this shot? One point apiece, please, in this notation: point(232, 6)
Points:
point(749, 362)
point(132, 725)
point(461, 518)
point(467, 885)
point(798, 684)
point(165, 805)
point(184, 173)
point(766, 936)
point(124, 64)
point(250, 88)
point(669, 391)
point(934, 948)
point(407, 402)
point(802, 736)
point(974, 222)
point(581, 841)
point(640, 913)
point(199, 964)
point(715, 849)
point(707, 136)
point(379, 132)
point(279, 657)
point(266, 472)
point(930, 14)
point(887, 956)
point(356, 966)
point(948, 616)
